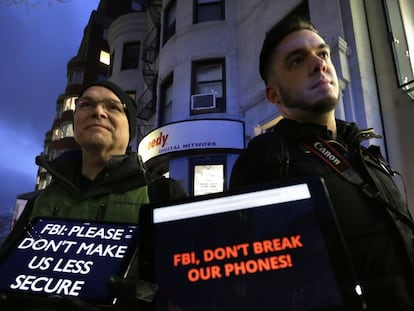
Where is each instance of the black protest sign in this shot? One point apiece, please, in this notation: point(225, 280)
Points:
point(69, 258)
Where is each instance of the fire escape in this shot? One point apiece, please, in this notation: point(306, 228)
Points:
point(147, 101)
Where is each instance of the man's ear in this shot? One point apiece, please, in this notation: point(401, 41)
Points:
point(273, 95)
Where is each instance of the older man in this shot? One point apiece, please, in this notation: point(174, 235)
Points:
point(101, 181)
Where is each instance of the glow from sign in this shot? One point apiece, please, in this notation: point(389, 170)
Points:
point(192, 135)
point(231, 203)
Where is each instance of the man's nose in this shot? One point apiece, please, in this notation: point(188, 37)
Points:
point(99, 109)
point(318, 64)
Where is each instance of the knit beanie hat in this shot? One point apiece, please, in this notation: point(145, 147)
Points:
point(131, 106)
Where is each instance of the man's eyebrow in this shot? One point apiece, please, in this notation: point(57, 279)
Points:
point(302, 50)
point(324, 46)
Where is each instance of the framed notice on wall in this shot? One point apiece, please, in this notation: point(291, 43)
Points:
point(208, 179)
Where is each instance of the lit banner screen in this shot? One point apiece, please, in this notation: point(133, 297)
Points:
point(58, 257)
point(271, 249)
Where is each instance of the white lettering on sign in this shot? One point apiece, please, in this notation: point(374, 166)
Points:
point(48, 285)
point(116, 251)
point(94, 232)
point(205, 144)
point(55, 258)
point(46, 245)
point(73, 266)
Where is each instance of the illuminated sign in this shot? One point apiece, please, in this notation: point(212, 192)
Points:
point(68, 258)
point(191, 135)
point(273, 248)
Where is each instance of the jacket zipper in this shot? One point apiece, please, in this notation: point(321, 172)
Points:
point(100, 215)
point(55, 210)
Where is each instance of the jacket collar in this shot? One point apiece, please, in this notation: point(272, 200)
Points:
point(126, 168)
point(347, 132)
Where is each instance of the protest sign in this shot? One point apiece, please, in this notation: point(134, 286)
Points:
point(278, 247)
point(69, 258)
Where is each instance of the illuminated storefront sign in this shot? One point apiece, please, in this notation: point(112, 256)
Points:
point(192, 135)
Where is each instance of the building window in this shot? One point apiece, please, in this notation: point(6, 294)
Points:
point(42, 184)
point(59, 110)
point(57, 134)
point(111, 63)
point(69, 103)
point(208, 87)
point(137, 6)
point(105, 34)
point(169, 21)
point(67, 129)
point(75, 76)
point(166, 100)
point(52, 154)
point(104, 57)
point(208, 10)
point(208, 175)
point(130, 55)
point(101, 77)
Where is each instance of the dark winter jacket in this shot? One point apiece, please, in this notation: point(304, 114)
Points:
point(115, 195)
point(373, 216)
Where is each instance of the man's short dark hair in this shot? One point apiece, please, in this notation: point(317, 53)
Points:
point(275, 35)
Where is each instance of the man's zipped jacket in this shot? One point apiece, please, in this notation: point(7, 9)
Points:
point(115, 195)
point(373, 216)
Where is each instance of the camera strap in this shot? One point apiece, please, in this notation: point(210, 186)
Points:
point(335, 160)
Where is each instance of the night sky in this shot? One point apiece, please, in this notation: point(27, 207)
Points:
point(36, 42)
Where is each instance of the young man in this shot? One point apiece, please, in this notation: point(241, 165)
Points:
point(100, 181)
point(296, 66)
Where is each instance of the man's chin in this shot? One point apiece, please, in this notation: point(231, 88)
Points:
point(322, 108)
point(324, 105)
point(93, 145)
point(320, 104)
point(96, 141)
